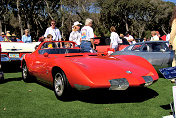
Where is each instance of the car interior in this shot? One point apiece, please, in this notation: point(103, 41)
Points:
point(155, 47)
point(55, 48)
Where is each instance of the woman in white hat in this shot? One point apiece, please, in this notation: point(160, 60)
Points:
point(75, 35)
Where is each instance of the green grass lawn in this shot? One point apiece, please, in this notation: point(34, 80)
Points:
point(32, 100)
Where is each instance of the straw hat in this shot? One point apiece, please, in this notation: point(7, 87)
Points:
point(8, 34)
point(13, 35)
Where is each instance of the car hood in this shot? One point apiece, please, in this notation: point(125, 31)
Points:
point(107, 68)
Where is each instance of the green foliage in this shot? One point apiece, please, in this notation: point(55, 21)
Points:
point(138, 16)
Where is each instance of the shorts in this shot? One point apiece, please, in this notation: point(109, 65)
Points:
point(86, 46)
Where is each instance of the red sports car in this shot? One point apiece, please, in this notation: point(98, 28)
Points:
point(68, 67)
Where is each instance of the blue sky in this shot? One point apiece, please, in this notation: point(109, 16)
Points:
point(171, 0)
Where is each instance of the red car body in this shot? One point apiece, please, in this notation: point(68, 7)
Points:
point(103, 46)
point(87, 70)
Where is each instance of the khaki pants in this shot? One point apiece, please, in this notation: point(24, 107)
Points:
point(174, 48)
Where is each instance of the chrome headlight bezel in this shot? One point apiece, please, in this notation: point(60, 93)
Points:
point(148, 80)
point(119, 84)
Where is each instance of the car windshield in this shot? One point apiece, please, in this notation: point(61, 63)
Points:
point(59, 51)
point(53, 47)
point(155, 47)
point(136, 47)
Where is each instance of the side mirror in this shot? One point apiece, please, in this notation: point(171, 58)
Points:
point(45, 54)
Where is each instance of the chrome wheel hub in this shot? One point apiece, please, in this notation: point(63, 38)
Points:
point(58, 84)
point(24, 72)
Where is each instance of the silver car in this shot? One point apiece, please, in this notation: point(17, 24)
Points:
point(156, 52)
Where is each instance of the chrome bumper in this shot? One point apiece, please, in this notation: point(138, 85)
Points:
point(119, 84)
point(5, 58)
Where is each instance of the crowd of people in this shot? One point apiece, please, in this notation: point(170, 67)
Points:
point(84, 37)
point(8, 37)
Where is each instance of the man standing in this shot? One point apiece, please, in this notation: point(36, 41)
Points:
point(53, 31)
point(154, 36)
point(87, 36)
point(129, 38)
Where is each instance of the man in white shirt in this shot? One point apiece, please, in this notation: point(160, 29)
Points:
point(114, 39)
point(55, 32)
point(154, 36)
point(87, 36)
point(129, 38)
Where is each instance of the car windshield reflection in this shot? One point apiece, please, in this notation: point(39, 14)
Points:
point(54, 47)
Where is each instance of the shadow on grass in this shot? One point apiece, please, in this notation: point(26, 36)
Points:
point(104, 96)
point(166, 107)
point(11, 67)
point(132, 95)
point(10, 80)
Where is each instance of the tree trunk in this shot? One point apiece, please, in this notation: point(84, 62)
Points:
point(47, 5)
point(0, 26)
point(19, 17)
point(163, 29)
point(62, 24)
point(126, 25)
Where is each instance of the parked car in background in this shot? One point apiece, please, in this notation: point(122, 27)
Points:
point(156, 52)
point(12, 52)
point(103, 45)
point(68, 67)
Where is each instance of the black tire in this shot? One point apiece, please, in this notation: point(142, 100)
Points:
point(61, 86)
point(25, 74)
point(2, 79)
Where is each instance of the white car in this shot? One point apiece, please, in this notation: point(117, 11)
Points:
point(14, 51)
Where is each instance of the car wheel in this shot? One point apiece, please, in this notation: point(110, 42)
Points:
point(25, 73)
point(2, 78)
point(61, 86)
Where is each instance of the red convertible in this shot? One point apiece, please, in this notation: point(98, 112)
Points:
point(67, 67)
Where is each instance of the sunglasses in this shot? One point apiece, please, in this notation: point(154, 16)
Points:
point(53, 23)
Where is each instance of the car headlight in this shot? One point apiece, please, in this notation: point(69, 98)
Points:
point(148, 80)
point(119, 84)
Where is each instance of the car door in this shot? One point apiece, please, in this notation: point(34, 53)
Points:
point(39, 65)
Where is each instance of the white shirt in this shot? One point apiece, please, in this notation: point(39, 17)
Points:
point(54, 32)
point(129, 39)
point(115, 38)
point(87, 33)
point(167, 37)
point(75, 36)
point(154, 38)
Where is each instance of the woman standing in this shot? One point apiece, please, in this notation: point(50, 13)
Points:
point(75, 35)
point(26, 38)
point(172, 41)
point(114, 38)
